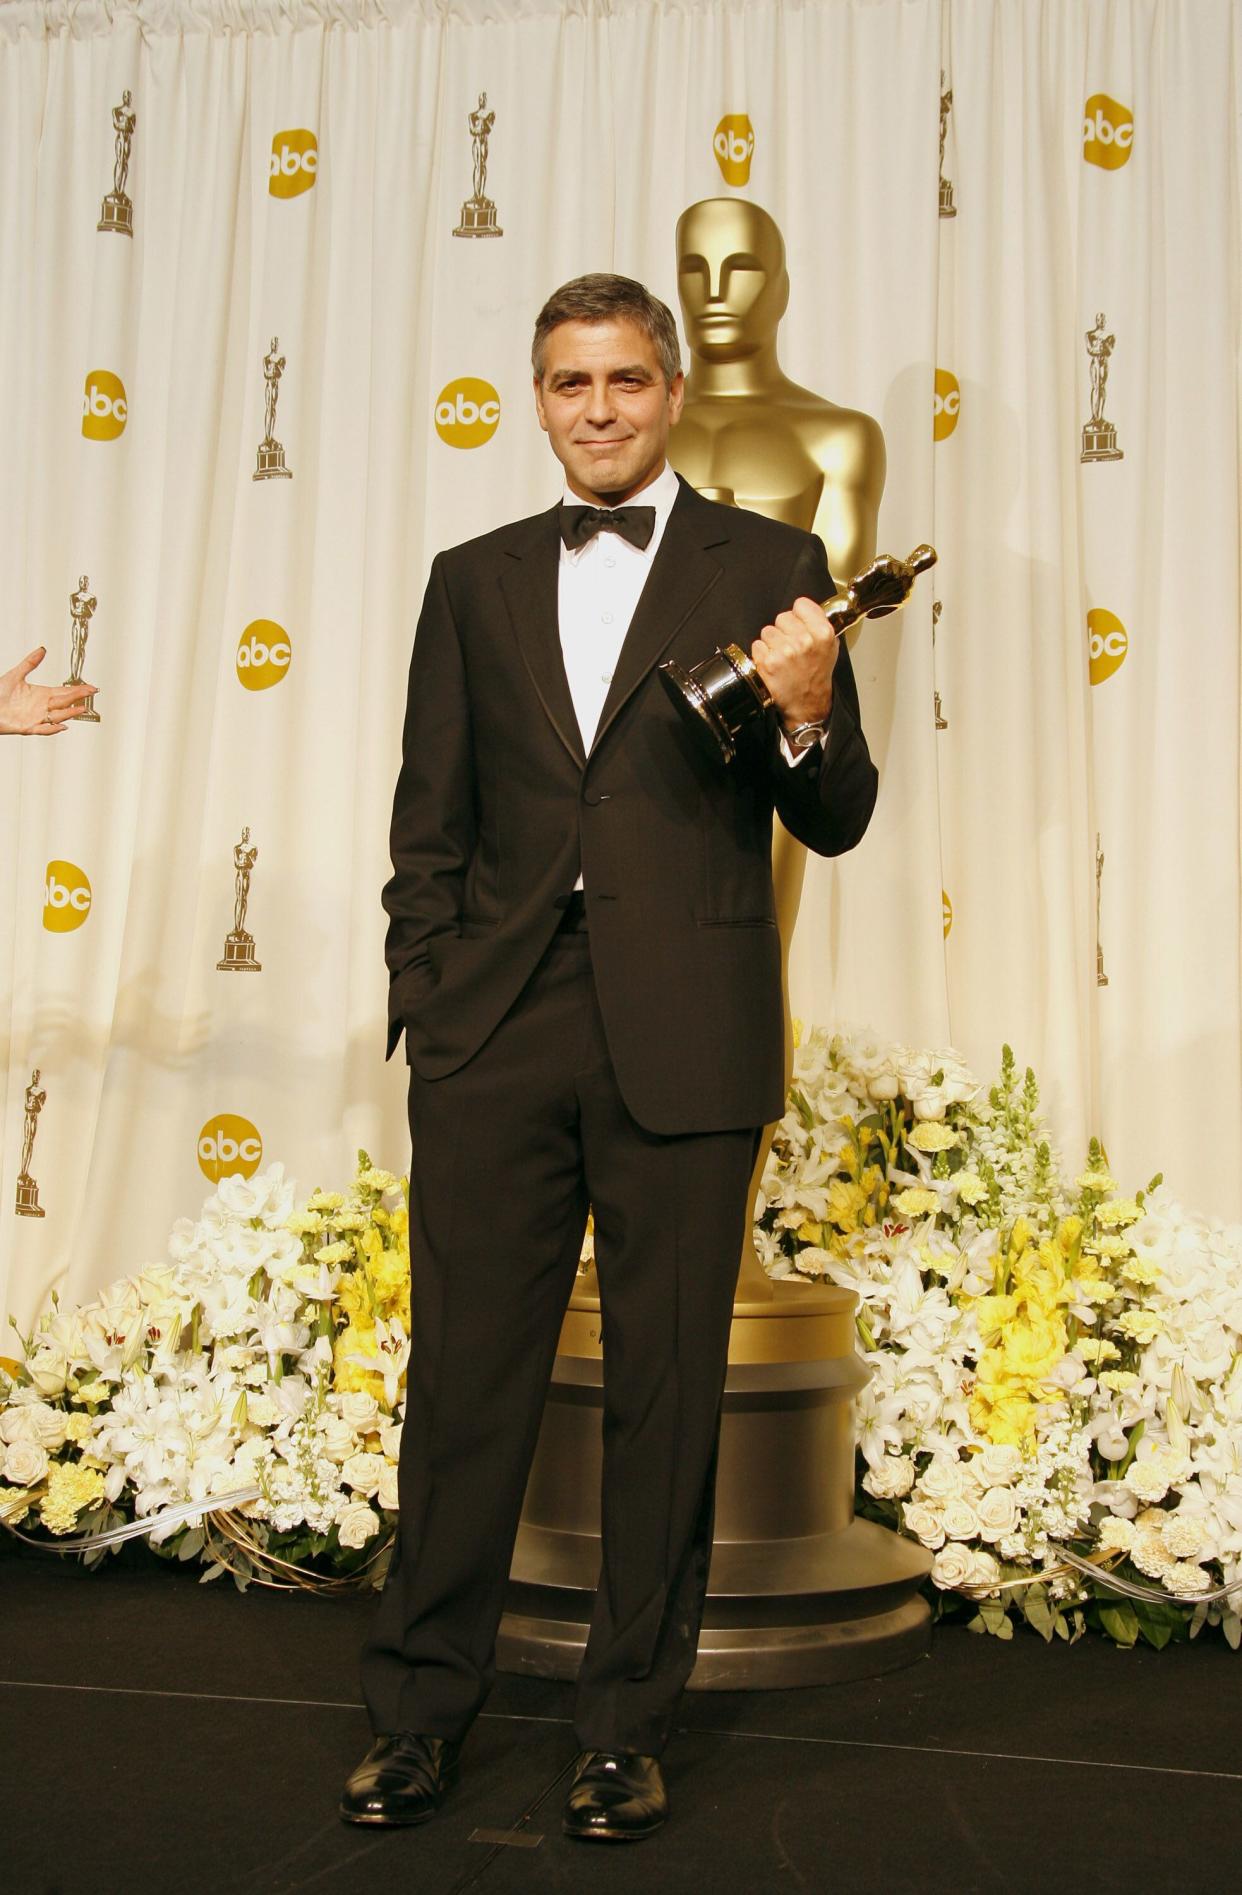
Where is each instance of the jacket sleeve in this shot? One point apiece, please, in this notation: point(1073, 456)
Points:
point(826, 800)
point(433, 814)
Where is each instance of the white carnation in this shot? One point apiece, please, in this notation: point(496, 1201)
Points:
point(1116, 1535)
point(1183, 1535)
point(1185, 1579)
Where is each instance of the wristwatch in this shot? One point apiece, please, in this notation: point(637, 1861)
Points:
point(806, 736)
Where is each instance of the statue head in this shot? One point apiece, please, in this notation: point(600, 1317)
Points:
point(127, 97)
point(35, 1076)
point(731, 278)
point(83, 582)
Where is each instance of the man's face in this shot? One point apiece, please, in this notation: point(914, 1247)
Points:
point(605, 407)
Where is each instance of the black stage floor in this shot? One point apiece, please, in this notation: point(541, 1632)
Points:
point(156, 1734)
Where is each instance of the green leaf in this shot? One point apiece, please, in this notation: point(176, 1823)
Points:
point(1120, 1622)
point(1038, 1612)
point(190, 1545)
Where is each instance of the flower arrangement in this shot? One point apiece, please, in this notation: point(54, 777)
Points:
point(1055, 1403)
point(1054, 1408)
point(263, 1361)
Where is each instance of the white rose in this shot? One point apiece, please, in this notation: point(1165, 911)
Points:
point(883, 1086)
point(891, 1479)
point(999, 1464)
point(361, 1411)
point(362, 1472)
point(924, 1523)
point(998, 1514)
point(984, 1569)
point(952, 1567)
point(961, 1522)
point(930, 1104)
point(388, 1497)
point(339, 1439)
point(390, 1440)
point(33, 1421)
point(356, 1525)
point(941, 1480)
point(25, 1462)
point(48, 1369)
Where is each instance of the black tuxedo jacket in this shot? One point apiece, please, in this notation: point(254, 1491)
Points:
point(498, 809)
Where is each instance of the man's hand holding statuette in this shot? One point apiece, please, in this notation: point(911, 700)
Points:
point(796, 658)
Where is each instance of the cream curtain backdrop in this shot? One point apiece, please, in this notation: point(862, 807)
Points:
point(605, 121)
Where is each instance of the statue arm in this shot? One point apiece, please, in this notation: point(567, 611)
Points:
point(854, 465)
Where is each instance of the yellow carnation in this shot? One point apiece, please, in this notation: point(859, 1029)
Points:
point(1119, 1380)
point(71, 1487)
point(1119, 1212)
point(77, 1427)
point(916, 1201)
point(971, 1188)
point(324, 1201)
point(1096, 1183)
point(932, 1135)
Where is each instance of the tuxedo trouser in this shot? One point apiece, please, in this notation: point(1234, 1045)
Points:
point(508, 1154)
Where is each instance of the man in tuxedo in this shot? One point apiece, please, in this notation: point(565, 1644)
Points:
point(586, 967)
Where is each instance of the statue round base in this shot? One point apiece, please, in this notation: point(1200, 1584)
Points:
point(799, 1592)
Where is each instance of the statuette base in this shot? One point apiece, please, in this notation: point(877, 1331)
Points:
point(239, 955)
point(117, 214)
point(271, 463)
point(478, 219)
point(1099, 442)
point(28, 1204)
point(947, 207)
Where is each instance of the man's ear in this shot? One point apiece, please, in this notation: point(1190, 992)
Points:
point(537, 385)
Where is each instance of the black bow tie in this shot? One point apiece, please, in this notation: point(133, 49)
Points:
point(635, 524)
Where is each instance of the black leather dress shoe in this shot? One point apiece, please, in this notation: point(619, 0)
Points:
point(615, 1798)
point(402, 1779)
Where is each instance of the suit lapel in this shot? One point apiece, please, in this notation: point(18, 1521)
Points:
point(681, 575)
point(529, 584)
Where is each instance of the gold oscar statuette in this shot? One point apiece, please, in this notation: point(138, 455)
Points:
point(117, 213)
point(478, 213)
point(723, 698)
point(27, 1190)
point(942, 722)
point(1099, 437)
point(239, 946)
point(1101, 978)
point(82, 605)
point(271, 457)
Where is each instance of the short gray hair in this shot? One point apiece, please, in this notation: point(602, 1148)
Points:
point(605, 298)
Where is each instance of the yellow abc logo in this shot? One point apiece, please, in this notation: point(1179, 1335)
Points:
point(105, 409)
point(66, 898)
point(227, 1145)
point(1108, 642)
point(1107, 132)
point(946, 910)
point(263, 654)
point(468, 412)
point(294, 163)
point(946, 404)
point(734, 146)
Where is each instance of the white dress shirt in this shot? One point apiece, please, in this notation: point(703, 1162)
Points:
point(598, 589)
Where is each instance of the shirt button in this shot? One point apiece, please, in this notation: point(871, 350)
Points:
point(610, 561)
point(605, 677)
point(605, 618)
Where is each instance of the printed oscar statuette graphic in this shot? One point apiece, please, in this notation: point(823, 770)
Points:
point(271, 458)
point(82, 605)
point(942, 722)
point(1099, 437)
point(117, 211)
point(28, 1204)
point(724, 695)
point(947, 207)
point(1101, 978)
point(478, 213)
point(239, 946)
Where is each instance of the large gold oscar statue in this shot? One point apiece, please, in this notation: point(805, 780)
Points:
point(800, 1592)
